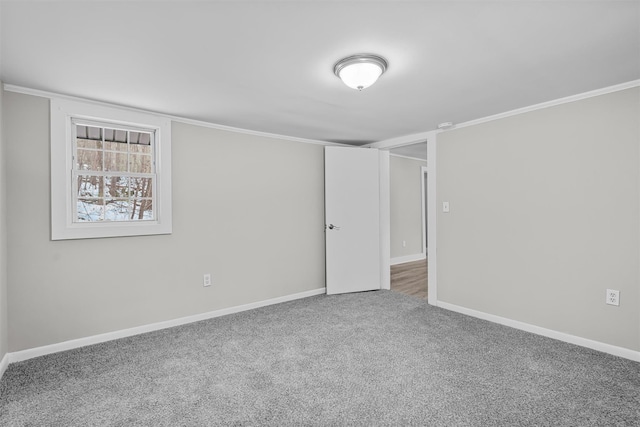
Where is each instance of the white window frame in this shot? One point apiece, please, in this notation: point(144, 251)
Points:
point(63, 210)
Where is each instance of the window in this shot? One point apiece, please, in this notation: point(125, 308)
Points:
point(114, 173)
point(110, 172)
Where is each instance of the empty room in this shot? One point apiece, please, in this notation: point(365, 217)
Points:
point(319, 213)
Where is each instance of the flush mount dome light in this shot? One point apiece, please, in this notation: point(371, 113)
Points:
point(360, 71)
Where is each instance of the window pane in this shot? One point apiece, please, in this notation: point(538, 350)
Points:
point(145, 139)
point(115, 139)
point(94, 133)
point(90, 186)
point(115, 162)
point(81, 132)
point(115, 146)
point(90, 210)
point(116, 186)
point(89, 143)
point(117, 210)
point(142, 209)
point(141, 187)
point(140, 149)
point(140, 163)
point(134, 137)
point(88, 133)
point(89, 160)
point(128, 210)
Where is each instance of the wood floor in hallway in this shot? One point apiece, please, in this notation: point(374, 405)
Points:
point(410, 278)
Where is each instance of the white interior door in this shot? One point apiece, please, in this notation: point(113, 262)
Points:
point(352, 216)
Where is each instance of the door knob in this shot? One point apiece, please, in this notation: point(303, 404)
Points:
point(333, 227)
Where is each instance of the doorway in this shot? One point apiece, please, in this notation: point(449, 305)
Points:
point(410, 278)
point(409, 235)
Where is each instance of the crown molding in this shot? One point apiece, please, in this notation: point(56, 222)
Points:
point(383, 144)
point(53, 95)
point(401, 141)
point(547, 104)
point(423, 136)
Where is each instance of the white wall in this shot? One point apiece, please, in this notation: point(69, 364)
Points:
point(545, 217)
point(247, 209)
point(406, 206)
point(4, 332)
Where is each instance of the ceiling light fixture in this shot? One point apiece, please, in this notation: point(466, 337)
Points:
point(360, 71)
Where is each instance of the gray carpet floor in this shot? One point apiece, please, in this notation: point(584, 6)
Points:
point(374, 358)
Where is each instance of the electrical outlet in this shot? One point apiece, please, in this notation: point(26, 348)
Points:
point(613, 297)
point(404, 243)
point(206, 280)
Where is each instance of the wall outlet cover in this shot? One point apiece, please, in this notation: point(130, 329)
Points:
point(613, 297)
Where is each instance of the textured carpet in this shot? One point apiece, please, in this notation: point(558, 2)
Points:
point(374, 358)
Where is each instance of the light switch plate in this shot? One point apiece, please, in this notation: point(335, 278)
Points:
point(445, 206)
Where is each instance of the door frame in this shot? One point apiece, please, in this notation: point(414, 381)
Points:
point(385, 220)
point(424, 174)
point(431, 138)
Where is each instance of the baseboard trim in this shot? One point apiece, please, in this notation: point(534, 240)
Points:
point(19, 356)
point(4, 364)
point(550, 333)
point(408, 258)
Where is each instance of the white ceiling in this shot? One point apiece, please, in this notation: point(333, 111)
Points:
point(268, 65)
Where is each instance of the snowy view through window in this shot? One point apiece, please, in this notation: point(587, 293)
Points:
point(114, 174)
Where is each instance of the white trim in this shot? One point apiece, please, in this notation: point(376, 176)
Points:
point(4, 364)
point(62, 216)
point(19, 356)
point(423, 173)
point(408, 258)
point(52, 95)
point(385, 220)
point(432, 209)
point(553, 103)
point(550, 333)
point(407, 157)
point(430, 137)
point(400, 141)
point(255, 132)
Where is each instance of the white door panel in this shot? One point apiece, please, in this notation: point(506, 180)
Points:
point(352, 216)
